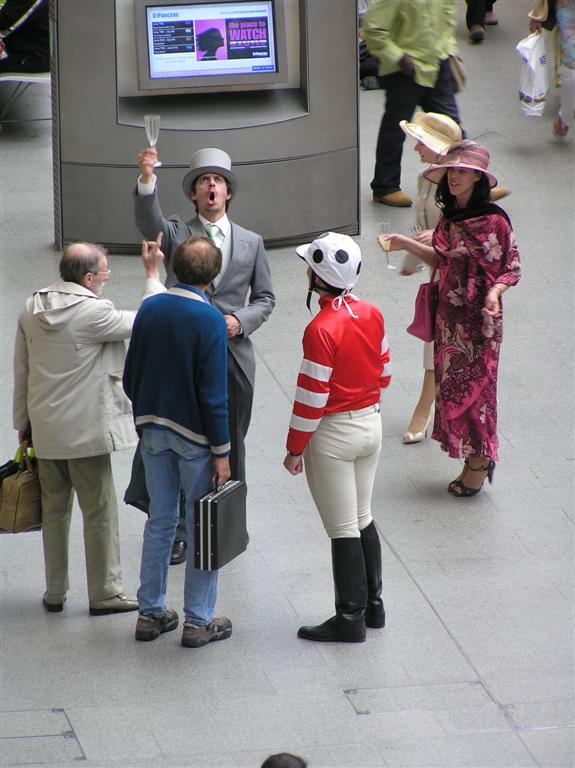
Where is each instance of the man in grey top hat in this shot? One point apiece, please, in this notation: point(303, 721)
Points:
point(242, 291)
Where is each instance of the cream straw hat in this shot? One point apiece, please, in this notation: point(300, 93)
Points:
point(437, 132)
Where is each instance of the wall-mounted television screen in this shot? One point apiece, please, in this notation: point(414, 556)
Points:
point(188, 44)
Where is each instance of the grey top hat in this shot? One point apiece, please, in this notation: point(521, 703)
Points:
point(209, 160)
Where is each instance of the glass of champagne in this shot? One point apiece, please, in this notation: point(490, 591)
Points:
point(152, 124)
point(385, 243)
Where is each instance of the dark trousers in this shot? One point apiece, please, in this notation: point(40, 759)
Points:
point(402, 96)
point(240, 400)
point(476, 10)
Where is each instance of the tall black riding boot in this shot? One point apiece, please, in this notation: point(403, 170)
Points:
point(374, 613)
point(348, 624)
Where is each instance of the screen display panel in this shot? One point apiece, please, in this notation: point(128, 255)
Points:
point(212, 42)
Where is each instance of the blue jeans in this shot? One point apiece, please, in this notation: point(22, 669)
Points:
point(172, 462)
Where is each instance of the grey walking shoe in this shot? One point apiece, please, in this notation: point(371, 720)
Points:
point(151, 627)
point(194, 635)
point(118, 604)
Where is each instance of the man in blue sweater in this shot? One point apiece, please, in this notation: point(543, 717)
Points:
point(175, 376)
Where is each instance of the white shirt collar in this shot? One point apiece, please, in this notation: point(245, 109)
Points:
point(223, 223)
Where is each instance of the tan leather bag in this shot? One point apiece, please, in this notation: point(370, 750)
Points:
point(20, 502)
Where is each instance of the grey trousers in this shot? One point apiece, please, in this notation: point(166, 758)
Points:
point(92, 480)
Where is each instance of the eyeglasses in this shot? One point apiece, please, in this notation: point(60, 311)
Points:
point(106, 272)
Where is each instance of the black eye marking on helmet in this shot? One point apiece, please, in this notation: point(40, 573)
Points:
point(317, 255)
point(358, 268)
point(341, 256)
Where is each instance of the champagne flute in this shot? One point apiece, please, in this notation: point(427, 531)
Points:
point(152, 124)
point(385, 243)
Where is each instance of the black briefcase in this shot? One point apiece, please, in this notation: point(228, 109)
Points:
point(220, 526)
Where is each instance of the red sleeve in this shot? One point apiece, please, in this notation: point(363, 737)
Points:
point(312, 392)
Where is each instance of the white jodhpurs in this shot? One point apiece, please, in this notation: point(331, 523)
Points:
point(340, 464)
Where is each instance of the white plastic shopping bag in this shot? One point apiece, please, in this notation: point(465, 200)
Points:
point(534, 75)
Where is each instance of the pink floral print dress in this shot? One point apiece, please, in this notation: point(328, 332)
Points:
point(473, 255)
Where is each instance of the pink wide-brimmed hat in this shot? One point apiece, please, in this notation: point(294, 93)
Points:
point(463, 154)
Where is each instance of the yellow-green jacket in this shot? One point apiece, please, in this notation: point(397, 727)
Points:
point(422, 29)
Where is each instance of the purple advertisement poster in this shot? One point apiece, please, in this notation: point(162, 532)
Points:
point(248, 38)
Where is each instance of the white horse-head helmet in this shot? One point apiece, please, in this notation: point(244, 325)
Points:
point(334, 258)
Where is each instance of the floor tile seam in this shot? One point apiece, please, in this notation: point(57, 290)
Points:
point(261, 356)
point(468, 660)
point(519, 729)
point(567, 514)
point(400, 686)
point(547, 701)
point(31, 736)
point(68, 734)
point(54, 710)
point(519, 735)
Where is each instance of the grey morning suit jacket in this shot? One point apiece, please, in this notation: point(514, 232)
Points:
point(248, 272)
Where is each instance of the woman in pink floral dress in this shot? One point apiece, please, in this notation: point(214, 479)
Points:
point(477, 258)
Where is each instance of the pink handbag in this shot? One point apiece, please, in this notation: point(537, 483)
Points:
point(423, 324)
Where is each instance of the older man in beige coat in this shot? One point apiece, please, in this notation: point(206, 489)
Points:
point(68, 362)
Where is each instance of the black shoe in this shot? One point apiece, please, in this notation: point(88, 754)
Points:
point(462, 491)
point(178, 552)
point(349, 579)
point(375, 615)
point(338, 629)
point(50, 606)
point(374, 612)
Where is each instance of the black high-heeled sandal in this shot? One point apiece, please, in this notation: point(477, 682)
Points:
point(457, 480)
point(465, 492)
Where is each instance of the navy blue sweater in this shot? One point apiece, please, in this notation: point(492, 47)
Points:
point(176, 368)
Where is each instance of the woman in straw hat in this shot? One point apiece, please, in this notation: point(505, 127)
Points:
point(434, 133)
point(476, 254)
